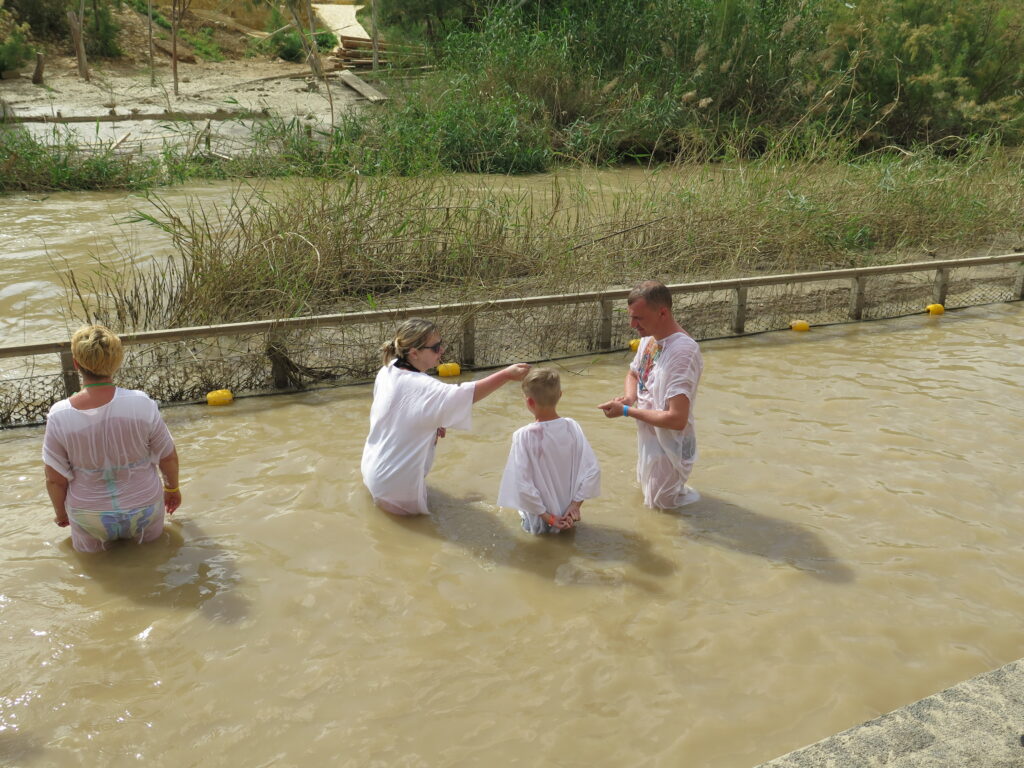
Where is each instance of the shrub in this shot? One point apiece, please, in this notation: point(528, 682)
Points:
point(288, 45)
point(14, 47)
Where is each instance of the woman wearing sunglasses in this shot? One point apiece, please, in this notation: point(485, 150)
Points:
point(411, 410)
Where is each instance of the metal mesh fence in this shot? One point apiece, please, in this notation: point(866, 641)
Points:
point(344, 349)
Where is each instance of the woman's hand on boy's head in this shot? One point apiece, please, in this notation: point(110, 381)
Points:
point(517, 371)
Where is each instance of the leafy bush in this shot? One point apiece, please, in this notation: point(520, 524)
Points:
point(46, 18)
point(928, 70)
point(14, 47)
point(288, 45)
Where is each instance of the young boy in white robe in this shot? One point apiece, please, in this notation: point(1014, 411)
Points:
point(551, 467)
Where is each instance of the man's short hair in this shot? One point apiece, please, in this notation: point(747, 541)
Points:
point(652, 292)
point(544, 386)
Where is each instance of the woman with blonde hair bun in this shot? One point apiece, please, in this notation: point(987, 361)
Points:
point(411, 410)
point(105, 450)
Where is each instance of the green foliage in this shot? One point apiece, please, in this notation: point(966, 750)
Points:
point(14, 47)
point(46, 18)
point(287, 44)
point(142, 6)
point(203, 44)
point(928, 70)
point(59, 163)
point(644, 80)
point(100, 30)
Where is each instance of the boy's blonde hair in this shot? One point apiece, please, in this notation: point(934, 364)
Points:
point(544, 386)
point(97, 350)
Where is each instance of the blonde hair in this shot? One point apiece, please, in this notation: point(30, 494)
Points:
point(411, 334)
point(97, 350)
point(544, 386)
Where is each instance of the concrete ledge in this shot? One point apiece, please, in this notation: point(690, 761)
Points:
point(976, 724)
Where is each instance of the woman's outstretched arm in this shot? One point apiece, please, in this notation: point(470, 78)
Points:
point(496, 380)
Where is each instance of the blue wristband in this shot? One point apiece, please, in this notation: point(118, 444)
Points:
point(625, 410)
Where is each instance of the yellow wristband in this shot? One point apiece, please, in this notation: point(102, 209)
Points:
point(170, 490)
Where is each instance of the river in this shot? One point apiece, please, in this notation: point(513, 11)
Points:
point(857, 548)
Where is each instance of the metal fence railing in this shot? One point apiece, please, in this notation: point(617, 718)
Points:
point(182, 364)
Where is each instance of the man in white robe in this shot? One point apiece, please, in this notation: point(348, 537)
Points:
point(660, 390)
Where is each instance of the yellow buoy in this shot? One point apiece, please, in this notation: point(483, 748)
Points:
point(448, 369)
point(935, 309)
point(219, 397)
point(800, 325)
point(634, 344)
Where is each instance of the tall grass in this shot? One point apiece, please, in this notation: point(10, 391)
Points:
point(647, 80)
point(314, 248)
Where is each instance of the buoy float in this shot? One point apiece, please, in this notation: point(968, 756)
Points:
point(219, 397)
point(935, 309)
point(800, 325)
point(634, 344)
point(448, 369)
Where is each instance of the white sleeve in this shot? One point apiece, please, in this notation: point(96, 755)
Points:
point(160, 442)
point(588, 481)
point(518, 490)
point(683, 376)
point(54, 453)
point(447, 405)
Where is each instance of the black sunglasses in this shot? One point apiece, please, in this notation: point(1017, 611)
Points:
point(435, 348)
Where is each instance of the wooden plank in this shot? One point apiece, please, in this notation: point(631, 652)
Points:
point(361, 87)
point(220, 114)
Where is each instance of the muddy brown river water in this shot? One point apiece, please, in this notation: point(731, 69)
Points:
point(858, 547)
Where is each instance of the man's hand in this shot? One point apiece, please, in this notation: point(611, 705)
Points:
point(61, 519)
point(613, 408)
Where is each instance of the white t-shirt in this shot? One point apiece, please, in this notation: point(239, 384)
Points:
point(665, 457)
point(408, 408)
point(550, 465)
point(109, 454)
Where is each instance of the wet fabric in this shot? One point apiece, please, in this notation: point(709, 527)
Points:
point(550, 465)
point(93, 531)
point(665, 457)
point(108, 454)
point(408, 409)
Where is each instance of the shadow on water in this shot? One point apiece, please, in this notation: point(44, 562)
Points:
point(18, 749)
point(575, 556)
point(724, 524)
point(183, 569)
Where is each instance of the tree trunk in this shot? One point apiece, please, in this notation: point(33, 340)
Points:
point(175, 4)
point(37, 76)
point(373, 26)
point(76, 37)
point(152, 65)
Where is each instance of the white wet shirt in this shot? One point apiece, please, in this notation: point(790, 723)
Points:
point(108, 454)
point(408, 408)
point(664, 369)
point(550, 465)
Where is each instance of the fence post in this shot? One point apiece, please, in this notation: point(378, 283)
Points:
point(941, 285)
point(1018, 291)
point(69, 374)
point(469, 340)
point(857, 290)
point(739, 319)
point(604, 337)
point(279, 364)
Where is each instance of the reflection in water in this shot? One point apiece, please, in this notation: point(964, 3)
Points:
point(283, 619)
